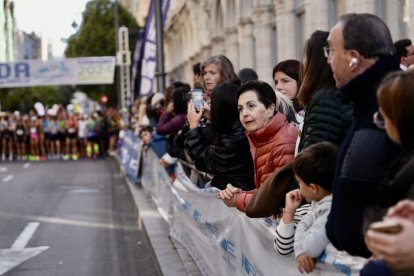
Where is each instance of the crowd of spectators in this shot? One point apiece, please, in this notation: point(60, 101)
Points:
point(339, 122)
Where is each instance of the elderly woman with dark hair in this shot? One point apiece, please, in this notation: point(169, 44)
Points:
point(271, 137)
point(228, 156)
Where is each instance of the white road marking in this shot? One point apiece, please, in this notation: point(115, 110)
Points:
point(10, 258)
point(3, 169)
point(26, 165)
point(8, 178)
point(17, 254)
point(25, 235)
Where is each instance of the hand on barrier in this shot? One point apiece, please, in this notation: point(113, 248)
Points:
point(229, 195)
point(305, 263)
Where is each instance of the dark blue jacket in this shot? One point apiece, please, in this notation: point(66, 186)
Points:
point(361, 163)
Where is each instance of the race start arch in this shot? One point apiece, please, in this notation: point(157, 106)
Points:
point(70, 71)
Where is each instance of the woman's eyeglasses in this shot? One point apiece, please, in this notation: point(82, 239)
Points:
point(378, 120)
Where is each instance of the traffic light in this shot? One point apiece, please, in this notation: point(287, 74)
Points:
point(104, 99)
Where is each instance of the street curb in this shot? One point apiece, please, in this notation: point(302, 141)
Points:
point(171, 258)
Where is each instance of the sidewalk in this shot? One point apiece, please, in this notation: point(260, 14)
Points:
point(172, 257)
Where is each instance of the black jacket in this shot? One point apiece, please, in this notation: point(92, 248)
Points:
point(361, 163)
point(399, 182)
point(228, 157)
point(328, 117)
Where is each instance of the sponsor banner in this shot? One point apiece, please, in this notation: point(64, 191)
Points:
point(70, 71)
point(130, 154)
point(222, 240)
point(156, 180)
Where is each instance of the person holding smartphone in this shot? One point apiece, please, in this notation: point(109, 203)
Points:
point(393, 251)
point(396, 99)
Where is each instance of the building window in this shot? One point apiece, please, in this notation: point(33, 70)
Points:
point(406, 18)
point(300, 26)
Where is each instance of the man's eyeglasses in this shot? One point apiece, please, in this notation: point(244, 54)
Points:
point(328, 51)
point(378, 120)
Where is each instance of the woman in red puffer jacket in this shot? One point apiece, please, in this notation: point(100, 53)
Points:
point(271, 136)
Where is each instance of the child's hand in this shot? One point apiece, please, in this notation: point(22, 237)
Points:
point(293, 200)
point(305, 263)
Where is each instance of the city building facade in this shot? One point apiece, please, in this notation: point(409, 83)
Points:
point(28, 46)
point(260, 33)
point(7, 31)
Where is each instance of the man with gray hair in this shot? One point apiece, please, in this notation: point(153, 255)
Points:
point(360, 53)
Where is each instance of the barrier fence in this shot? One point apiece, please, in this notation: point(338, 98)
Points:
point(222, 240)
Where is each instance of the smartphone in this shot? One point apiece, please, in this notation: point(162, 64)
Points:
point(388, 226)
point(197, 98)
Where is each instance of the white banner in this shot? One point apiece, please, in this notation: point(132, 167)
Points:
point(71, 71)
point(222, 240)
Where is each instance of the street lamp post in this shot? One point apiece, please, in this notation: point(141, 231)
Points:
point(160, 47)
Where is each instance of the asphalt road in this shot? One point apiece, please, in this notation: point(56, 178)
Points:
point(69, 218)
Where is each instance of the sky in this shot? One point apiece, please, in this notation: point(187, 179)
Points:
point(50, 19)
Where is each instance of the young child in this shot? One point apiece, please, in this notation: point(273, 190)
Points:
point(314, 171)
point(145, 134)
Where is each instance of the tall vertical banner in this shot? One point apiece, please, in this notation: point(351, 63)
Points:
point(149, 61)
point(136, 58)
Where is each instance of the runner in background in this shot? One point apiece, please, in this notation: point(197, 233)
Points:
point(82, 134)
point(34, 139)
point(7, 129)
point(20, 138)
point(71, 126)
point(54, 138)
point(92, 148)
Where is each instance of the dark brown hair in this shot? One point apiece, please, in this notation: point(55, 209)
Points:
point(396, 98)
point(316, 164)
point(291, 67)
point(317, 73)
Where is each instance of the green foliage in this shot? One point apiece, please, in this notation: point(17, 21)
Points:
point(23, 99)
point(96, 37)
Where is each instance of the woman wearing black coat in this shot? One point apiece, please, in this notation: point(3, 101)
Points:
point(228, 157)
